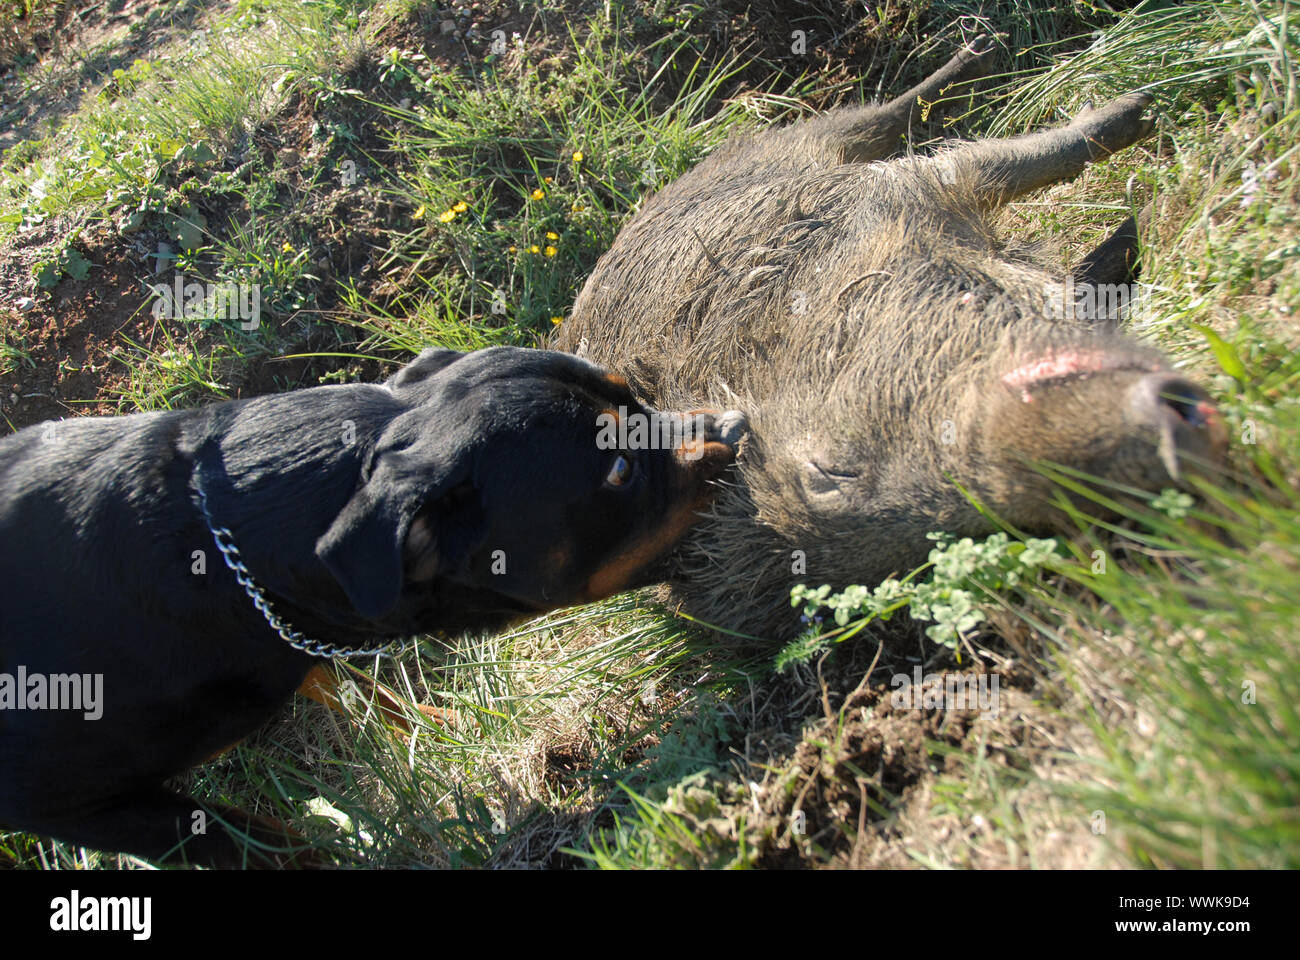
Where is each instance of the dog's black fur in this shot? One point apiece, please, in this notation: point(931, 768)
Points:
point(363, 511)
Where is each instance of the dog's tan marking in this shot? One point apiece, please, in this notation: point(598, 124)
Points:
point(615, 575)
point(322, 686)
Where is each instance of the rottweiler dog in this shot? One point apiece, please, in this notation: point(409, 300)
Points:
point(167, 580)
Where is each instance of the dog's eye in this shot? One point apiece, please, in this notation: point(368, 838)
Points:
point(620, 472)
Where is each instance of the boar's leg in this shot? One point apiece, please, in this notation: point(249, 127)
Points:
point(1102, 283)
point(1005, 169)
point(1115, 261)
point(867, 133)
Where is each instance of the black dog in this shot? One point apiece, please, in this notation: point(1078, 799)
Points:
point(163, 575)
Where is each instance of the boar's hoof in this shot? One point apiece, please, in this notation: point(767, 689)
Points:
point(980, 45)
point(1116, 124)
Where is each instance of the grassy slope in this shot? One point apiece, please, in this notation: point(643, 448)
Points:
point(1142, 670)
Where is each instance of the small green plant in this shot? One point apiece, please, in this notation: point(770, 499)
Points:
point(398, 65)
point(1173, 503)
point(66, 262)
point(11, 352)
point(961, 571)
point(126, 81)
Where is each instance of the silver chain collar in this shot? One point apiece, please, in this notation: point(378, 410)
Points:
point(230, 553)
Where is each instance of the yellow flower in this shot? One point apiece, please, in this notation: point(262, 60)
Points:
point(557, 320)
point(461, 207)
point(534, 249)
point(546, 179)
point(287, 248)
point(447, 216)
point(419, 212)
point(513, 249)
point(577, 156)
point(578, 208)
point(550, 251)
point(552, 236)
point(539, 193)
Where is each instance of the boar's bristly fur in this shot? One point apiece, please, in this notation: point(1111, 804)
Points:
point(885, 344)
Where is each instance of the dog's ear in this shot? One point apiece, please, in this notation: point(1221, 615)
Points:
point(428, 363)
point(364, 546)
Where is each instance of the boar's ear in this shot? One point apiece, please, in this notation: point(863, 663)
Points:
point(364, 546)
point(1114, 262)
point(429, 362)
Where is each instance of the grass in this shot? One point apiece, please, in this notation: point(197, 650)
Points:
point(170, 136)
point(11, 352)
point(522, 181)
point(620, 735)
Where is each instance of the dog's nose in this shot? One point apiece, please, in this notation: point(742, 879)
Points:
point(728, 427)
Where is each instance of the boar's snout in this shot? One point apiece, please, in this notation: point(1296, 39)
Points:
point(1109, 409)
point(1186, 420)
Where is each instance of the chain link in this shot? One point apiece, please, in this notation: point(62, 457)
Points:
point(230, 553)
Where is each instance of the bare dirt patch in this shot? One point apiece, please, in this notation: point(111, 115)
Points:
point(75, 341)
point(52, 59)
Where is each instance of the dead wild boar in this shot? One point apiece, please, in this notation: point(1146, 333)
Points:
point(884, 344)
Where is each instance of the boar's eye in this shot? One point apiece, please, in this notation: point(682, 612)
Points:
point(620, 472)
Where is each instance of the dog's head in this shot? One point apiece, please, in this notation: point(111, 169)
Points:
point(518, 481)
